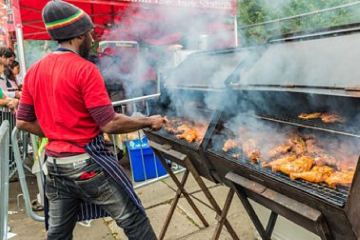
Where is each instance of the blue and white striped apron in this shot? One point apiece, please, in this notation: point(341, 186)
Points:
point(102, 156)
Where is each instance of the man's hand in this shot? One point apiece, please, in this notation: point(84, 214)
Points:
point(13, 103)
point(157, 122)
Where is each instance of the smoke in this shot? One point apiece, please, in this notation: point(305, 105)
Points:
point(155, 29)
point(327, 62)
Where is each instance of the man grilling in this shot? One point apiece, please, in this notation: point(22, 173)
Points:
point(64, 99)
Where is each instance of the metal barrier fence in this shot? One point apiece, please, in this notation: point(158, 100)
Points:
point(22, 177)
point(4, 178)
point(7, 115)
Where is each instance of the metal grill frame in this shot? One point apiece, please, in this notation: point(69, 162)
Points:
point(338, 128)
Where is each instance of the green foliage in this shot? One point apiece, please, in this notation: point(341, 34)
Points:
point(36, 49)
point(258, 11)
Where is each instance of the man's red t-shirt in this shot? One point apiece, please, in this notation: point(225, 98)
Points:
point(63, 87)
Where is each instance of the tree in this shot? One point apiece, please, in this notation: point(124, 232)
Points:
point(259, 11)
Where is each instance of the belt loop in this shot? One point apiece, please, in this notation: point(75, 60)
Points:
point(55, 166)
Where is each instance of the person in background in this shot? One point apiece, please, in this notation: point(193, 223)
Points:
point(12, 74)
point(7, 56)
point(81, 171)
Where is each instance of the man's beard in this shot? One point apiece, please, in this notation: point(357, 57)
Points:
point(84, 51)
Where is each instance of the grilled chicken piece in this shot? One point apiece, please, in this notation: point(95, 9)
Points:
point(287, 158)
point(318, 153)
point(189, 135)
point(201, 130)
point(332, 118)
point(307, 116)
point(313, 148)
point(231, 144)
point(342, 178)
point(302, 164)
point(251, 150)
point(279, 150)
point(316, 174)
point(171, 129)
point(297, 144)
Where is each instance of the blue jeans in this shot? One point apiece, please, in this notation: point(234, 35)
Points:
point(64, 189)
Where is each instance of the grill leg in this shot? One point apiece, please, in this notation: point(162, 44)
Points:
point(223, 219)
point(251, 212)
point(271, 223)
point(219, 212)
point(179, 191)
point(323, 229)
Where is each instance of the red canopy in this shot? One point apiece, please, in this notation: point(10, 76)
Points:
point(131, 19)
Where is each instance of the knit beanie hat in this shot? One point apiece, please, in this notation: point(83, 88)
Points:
point(65, 21)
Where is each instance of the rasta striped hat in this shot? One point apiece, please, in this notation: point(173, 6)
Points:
point(65, 21)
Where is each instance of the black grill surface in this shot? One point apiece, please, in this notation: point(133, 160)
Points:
point(344, 128)
point(321, 190)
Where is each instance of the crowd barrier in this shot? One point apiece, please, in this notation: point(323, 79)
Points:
point(22, 177)
point(4, 178)
point(7, 115)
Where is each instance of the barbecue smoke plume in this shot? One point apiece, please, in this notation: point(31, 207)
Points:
point(156, 28)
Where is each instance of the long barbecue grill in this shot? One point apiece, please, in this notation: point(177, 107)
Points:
point(288, 79)
point(268, 94)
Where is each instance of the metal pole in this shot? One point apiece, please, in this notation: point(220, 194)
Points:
point(4, 178)
point(20, 47)
point(236, 32)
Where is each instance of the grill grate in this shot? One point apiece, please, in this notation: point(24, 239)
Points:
point(344, 128)
point(321, 190)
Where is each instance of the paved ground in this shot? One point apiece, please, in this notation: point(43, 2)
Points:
point(156, 199)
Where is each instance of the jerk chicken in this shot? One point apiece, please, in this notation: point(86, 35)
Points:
point(231, 144)
point(325, 117)
point(302, 164)
point(316, 174)
point(342, 178)
point(301, 156)
point(277, 162)
point(251, 150)
point(190, 131)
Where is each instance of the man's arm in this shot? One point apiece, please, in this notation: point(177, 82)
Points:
point(26, 120)
point(124, 124)
point(31, 127)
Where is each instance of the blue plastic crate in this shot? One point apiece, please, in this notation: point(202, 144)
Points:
point(140, 170)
